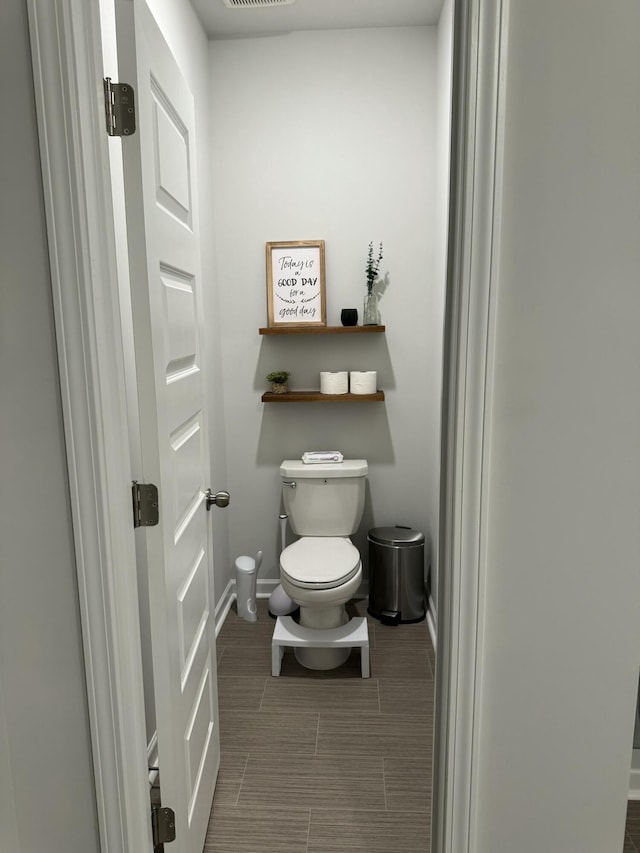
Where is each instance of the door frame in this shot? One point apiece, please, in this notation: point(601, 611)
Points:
point(67, 57)
point(480, 29)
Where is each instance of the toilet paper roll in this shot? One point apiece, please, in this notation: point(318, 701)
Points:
point(334, 382)
point(364, 381)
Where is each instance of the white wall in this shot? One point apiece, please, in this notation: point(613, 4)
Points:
point(562, 644)
point(327, 135)
point(47, 797)
point(433, 376)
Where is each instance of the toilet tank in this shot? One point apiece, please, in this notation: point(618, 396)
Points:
point(327, 498)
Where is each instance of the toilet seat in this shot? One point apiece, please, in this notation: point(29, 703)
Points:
point(320, 562)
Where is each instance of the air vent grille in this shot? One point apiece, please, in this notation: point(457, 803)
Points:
point(254, 4)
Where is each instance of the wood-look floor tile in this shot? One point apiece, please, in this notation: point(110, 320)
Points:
point(300, 782)
point(355, 695)
point(292, 669)
point(633, 815)
point(253, 830)
point(388, 735)
point(272, 732)
point(243, 693)
point(407, 784)
point(405, 636)
point(629, 846)
point(263, 611)
point(245, 660)
point(633, 826)
point(232, 765)
point(369, 782)
point(246, 633)
point(358, 607)
point(406, 696)
point(350, 831)
point(409, 662)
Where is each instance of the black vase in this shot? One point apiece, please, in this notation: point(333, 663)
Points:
point(349, 316)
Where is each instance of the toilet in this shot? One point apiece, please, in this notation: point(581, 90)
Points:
point(322, 570)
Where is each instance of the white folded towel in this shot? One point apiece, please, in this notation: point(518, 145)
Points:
point(316, 456)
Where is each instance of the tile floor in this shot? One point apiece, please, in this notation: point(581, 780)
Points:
point(328, 762)
point(632, 834)
point(323, 762)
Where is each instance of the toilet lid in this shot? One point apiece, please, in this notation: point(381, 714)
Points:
point(320, 562)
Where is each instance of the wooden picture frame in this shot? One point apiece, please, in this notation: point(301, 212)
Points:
point(296, 283)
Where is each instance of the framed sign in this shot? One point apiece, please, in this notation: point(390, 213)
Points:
point(295, 283)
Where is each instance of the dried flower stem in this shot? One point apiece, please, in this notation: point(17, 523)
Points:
point(373, 266)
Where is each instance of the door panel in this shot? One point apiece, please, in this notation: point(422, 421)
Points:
point(164, 250)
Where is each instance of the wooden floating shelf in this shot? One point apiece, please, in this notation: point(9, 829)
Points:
point(317, 397)
point(321, 330)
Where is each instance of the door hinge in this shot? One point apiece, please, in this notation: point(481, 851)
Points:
point(163, 825)
point(119, 108)
point(145, 504)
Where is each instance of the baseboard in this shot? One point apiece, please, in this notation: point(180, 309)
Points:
point(224, 605)
point(432, 623)
point(264, 588)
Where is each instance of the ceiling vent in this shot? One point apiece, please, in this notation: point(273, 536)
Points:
point(255, 4)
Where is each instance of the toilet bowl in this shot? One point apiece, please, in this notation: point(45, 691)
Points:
point(322, 570)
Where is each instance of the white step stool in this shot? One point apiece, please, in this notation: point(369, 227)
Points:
point(289, 633)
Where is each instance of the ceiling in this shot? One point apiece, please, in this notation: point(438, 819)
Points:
point(221, 22)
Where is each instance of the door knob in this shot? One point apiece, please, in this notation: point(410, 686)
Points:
point(220, 499)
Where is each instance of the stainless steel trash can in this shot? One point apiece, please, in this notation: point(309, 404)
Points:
point(396, 574)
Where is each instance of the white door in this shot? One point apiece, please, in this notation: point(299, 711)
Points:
point(166, 288)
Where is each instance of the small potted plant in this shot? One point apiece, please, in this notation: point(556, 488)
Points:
point(278, 380)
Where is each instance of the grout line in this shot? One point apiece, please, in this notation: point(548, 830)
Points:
point(244, 770)
point(308, 832)
point(384, 786)
point(264, 690)
point(219, 654)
